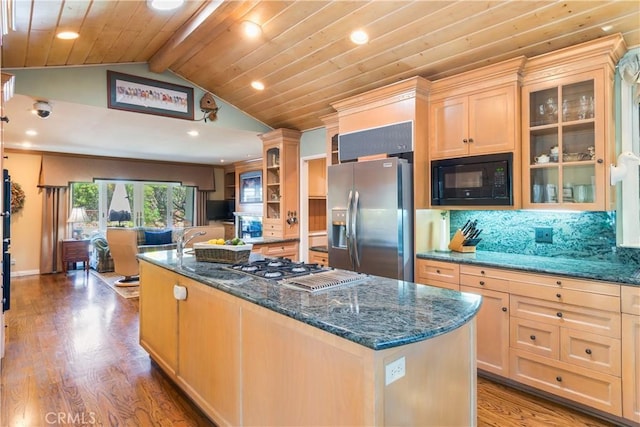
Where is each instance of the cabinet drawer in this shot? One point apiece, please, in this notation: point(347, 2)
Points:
point(272, 233)
point(474, 270)
point(319, 258)
point(482, 282)
point(280, 249)
point(428, 271)
point(582, 318)
point(630, 300)
point(568, 296)
point(595, 389)
point(271, 226)
point(444, 285)
point(536, 337)
point(558, 282)
point(602, 354)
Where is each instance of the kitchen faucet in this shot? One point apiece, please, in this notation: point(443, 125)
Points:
point(182, 243)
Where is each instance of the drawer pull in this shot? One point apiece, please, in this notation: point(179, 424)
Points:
point(559, 282)
point(559, 295)
point(559, 378)
point(481, 271)
point(533, 337)
point(588, 351)
point(481, 282)
point(504, 309)
point(438, 271)
point(559, 314)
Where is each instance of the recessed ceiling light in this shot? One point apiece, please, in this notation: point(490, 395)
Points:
point(26, 144)
point(164, 4)
point(257, 85)
point(193, 133)
point(251, 29)
point(359, 37)
point(67, 35)
point(221, 160)
point(31, 132)
point(607, 28)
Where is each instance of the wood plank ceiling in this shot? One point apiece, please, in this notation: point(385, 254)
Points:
point(304, 56)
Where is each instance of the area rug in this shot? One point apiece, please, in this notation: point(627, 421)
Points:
point(109, 279)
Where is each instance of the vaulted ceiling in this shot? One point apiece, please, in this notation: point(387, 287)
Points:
point(304, 55)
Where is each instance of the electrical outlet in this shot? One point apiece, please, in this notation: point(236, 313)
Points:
point(544, 234)
point(394, 371)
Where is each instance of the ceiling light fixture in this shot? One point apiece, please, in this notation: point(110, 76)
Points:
point(67, 35)
point(164, 4)
point(193, 133)
point(359, 37)
point(31, 132)
point(257, 85)
point(606, 28)
point(251, 29)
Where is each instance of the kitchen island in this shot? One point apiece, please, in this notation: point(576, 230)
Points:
point(250, 351)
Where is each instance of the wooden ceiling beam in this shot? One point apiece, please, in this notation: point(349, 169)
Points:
point(172, 51)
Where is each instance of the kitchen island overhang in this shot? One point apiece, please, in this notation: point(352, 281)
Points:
point(364, 330)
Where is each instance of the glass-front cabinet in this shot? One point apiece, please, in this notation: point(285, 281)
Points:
point(564, 143)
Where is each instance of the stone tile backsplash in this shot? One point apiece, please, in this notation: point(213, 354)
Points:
point(582, 235)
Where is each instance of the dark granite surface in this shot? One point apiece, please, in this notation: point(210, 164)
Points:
point(267, 240)
point(376, 312)
point(624, 273)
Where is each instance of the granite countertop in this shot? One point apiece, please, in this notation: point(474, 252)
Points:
point(627, 274)
point(268, 240)
point(376, 312)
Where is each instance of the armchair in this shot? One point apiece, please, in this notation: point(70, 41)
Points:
point(123, 245)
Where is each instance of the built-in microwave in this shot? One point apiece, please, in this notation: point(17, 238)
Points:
point(473, 181)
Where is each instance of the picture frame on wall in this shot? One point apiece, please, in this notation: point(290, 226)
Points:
point(142, 95)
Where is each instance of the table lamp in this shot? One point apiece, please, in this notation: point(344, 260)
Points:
point(78, 215)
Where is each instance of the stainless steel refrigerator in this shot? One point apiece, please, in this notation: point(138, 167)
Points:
point(371, 217)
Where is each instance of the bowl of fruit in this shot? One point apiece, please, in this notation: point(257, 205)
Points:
point(231, 251)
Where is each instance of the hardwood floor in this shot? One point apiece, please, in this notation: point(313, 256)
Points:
point(72, 358)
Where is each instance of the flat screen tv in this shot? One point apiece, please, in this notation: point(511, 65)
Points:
point(218, 210)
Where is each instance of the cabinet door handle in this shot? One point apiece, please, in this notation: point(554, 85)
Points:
point(470, 140)
point(481, 282)
point(465, 141)
point(504, 309)
point(533, 337)
point(588, 351)
point(179, 292)
point(559, 295)
point(559, 378)
point(600, 161)
point(559, 314)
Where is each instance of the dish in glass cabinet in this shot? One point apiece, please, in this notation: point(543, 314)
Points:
point(574, 157)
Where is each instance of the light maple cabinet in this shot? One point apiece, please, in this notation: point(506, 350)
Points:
point(568, 126)
point(195, 341)
point(280, 183)
point(476, 112)
point(331, 125)
point(437, 273)
point(565, 338)
point(159, 316)
point(320, 258)
point(630, 303)
point(287, 249)
point(318, 178)
point(493, 317)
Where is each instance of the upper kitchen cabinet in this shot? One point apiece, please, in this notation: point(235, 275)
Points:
point(476, 112)
point(391, 107)
point(281, 152)
point(568, 125)
point(331, 125)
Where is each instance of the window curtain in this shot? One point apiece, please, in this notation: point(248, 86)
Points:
point(54, 223)
point(201, 208)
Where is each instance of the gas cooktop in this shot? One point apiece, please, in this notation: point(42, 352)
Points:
point(278, 268)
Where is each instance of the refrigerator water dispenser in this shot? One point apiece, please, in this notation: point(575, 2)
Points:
point(339, 228)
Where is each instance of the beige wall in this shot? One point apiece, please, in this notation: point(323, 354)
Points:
point(26, 225)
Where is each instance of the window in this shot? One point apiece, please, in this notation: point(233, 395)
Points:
point(128, 204)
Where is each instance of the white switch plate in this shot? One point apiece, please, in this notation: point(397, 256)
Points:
point(394, 371)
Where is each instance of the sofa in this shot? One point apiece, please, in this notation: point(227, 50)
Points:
point(149, 239)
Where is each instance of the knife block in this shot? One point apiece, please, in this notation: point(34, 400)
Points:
point(456, 243)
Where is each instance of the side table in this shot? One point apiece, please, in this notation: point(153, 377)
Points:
point(75, 251)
